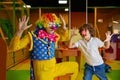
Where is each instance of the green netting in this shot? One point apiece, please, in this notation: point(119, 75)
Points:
point(7, 28)
point(1, 5)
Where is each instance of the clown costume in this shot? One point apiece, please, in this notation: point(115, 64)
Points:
point(42, 44)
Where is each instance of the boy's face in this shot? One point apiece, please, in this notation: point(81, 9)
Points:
point(86, 35)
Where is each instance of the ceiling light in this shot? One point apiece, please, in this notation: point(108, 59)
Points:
point(116, 22)
point(100, 20)
point(66, 9)
point(26, 6)
point(62, 1)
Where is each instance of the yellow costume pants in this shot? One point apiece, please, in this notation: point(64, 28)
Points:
point(49, 69)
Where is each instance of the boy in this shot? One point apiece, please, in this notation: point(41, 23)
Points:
point(89, 46)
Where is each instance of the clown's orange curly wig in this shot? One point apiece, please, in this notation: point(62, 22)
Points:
point(46, 18)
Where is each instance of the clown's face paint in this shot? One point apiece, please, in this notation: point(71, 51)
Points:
point(51, 27)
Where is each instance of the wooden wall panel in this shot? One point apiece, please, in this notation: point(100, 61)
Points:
point(3, 55)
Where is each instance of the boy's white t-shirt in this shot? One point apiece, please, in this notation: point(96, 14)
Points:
point(90, 50)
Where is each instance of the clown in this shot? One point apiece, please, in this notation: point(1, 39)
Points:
point(42, 44)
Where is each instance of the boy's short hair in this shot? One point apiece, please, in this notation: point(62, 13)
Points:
point(87, 27)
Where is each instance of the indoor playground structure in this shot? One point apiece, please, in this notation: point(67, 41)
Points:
point(16, 65)
point(10, 11)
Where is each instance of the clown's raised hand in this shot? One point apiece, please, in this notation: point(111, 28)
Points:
point(63, 22)
point(23, 25)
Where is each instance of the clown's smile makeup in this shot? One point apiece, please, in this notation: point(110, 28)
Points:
point(51, 27)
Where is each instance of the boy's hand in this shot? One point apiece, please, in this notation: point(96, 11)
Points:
point(108, 36)
point(73, 32)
